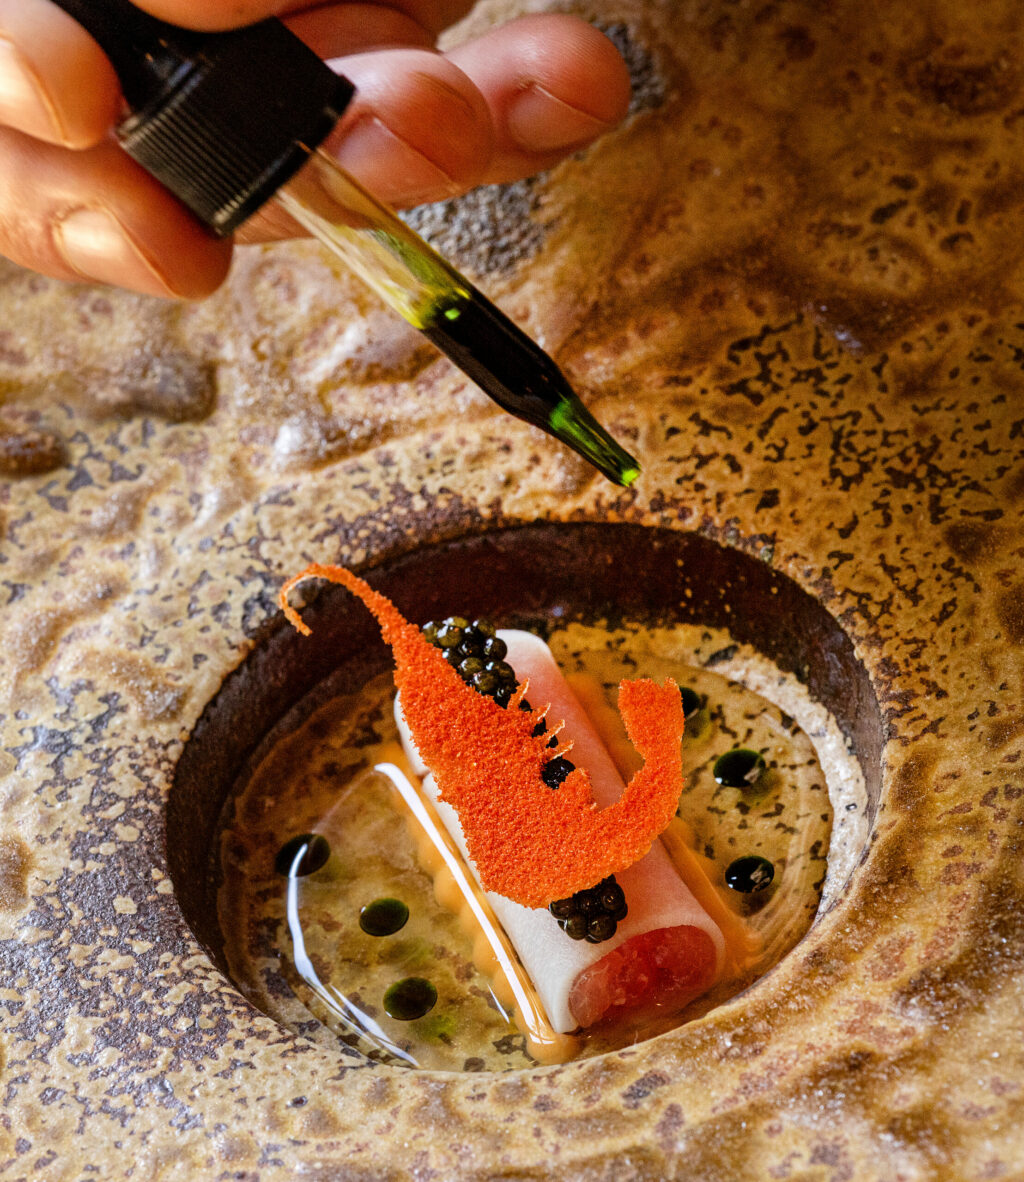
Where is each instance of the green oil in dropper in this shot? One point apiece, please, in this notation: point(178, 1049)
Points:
point(522, 379)
point(434, 298)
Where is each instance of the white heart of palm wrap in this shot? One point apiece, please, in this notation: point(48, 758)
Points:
point(656, 896)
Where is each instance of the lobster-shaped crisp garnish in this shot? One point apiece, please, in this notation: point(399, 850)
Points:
point(528, 842)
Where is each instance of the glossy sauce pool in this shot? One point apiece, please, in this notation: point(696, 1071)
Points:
point(331, 924)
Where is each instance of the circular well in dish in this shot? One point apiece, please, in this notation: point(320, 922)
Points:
point(538, 576)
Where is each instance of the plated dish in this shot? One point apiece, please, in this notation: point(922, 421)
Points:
point(682, 929)
point(794, 282)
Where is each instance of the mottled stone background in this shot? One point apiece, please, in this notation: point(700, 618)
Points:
point(793, 280)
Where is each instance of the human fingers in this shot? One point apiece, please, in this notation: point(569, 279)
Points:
point(55, 82)
point(422, 129)
point(417, 130)
point(332, 30)
point(431, 15)
point(62, 212)
point(552, 83)
point(94, 215)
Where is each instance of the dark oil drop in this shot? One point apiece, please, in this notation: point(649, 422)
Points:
point(410, 998)
point(302, 855)
point(749, 874)
point(383, 917)
point(740, 768)
point(691, 701)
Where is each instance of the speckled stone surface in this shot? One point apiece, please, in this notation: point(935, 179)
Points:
point(794, 281)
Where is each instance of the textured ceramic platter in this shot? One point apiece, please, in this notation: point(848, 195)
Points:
point(794, 282)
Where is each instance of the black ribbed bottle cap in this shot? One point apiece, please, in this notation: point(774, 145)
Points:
point(223, 120)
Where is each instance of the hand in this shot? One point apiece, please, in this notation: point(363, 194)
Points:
point(423, 126)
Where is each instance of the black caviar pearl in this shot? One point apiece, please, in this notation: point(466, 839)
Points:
point(410, 998)
point(383, 917)
point(447, 636)
point(588, 904)
point(575, 927)
point(494, 647)
point(739, 768)
point(750, 873)
point(502, 670)
point(469, 648)
point(691, 700)
point(485, 682)
point(556, 770)
point(503, 695)
point(470, 667)
point(562, 908)
point(459, 622)
point(483, 627)
point(302, 855)
point(430, 632)
point(613, 898)
point(600, 928)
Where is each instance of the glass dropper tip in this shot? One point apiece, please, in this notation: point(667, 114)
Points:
point(575, 426)
point(629, 469)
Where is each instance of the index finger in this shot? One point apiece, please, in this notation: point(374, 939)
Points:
point(432, 15)
point(55, 83)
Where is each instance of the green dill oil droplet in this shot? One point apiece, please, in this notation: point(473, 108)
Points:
point(410, 998)
point(749, 874)
point(383, 917)
point(740, 768)
point(302, 855)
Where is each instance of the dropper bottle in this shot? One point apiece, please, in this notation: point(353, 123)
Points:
point(230, 121)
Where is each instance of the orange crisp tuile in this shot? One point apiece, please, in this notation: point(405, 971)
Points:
point(528, 842)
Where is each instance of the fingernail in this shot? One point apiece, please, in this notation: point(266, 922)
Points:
point(24, 103)
point(539, 122)
point(391, 166)
point(96, 247)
